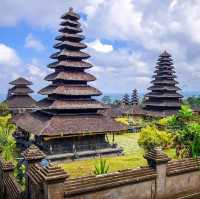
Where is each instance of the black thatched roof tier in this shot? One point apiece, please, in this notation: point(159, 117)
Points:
point(165, 104)
point(21, 81)
point(70, 90)
point(69, 54)
point(163, 81)
point(70, 29)
point(71, 15)
point(164, 71)
point(21, 101)
point(70, 64)
point(164, 76)
point(70, 45)
point(69, 22)
point(71, 37)
point(70, 104)
point(164, 88)
point(41, 124)
point(163, 96)
point(70, 76)
point(16, 90)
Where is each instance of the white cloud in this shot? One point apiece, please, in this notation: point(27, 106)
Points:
point(100, 47)
point(8, 56)
point(32, 42)
point(35, 70)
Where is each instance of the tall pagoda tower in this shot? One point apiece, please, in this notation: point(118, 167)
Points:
point(125, 99)
point(163, 98)
point(134, 97)
point(70, 118)
point(18, 98)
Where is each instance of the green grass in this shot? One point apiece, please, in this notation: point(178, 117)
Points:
point(132, 158)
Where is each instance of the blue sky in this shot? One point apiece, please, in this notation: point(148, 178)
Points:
point(124, 37)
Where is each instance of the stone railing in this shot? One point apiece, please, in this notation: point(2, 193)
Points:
point(161, 179)
point(9, 187)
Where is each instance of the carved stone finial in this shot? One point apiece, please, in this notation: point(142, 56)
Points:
point(6, 166)
point(156, 156)
point(53, 174)
point(33, 153)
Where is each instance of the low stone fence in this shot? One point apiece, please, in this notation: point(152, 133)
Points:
point(9, 187)
point(161, 179)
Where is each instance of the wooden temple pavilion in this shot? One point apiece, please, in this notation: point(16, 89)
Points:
point(69, 120)
point(163, 98)
point(18, 98)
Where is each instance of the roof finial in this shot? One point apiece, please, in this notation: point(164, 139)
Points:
point(70, 9)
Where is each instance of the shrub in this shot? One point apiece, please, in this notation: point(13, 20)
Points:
point(150, 137)
point(101, 167)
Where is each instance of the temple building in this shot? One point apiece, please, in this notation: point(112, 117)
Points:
point(18, 97)
point(69, 119)
point(163, 98)
point(134, 97)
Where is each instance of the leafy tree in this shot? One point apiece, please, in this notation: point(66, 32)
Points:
point(193, 101)
point(151, 137)
point(7, 142)
point(101, 167)
point(4, 110)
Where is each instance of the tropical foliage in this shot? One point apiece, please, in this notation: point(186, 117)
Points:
point(101, 167)
point(185, 128)
point(150, 137)
point(7, 142)
point(4, 109)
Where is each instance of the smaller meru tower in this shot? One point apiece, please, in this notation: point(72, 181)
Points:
point(163, 98)
point(134, 97)
point(18, 98)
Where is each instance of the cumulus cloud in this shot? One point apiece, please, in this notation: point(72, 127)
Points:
point(100, 47)
point(34, 43)
point(139, 30)
point(8, 56)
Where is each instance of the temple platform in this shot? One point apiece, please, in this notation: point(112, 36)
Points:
point(85, 154)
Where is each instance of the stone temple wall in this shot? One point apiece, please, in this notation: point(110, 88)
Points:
point(161, 179)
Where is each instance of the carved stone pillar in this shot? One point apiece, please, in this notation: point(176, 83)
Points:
point(158, 160)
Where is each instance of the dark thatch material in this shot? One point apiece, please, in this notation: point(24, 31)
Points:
point(16, 90)
point(70, 76)
point(71, 15)
point(67, 54)
point(41, 124)
point(18, 97)
point(69, 22)
point(163, 98)
point(21, 101)
point(70, 64)
point(69, 108)
point(70, 45)
point(21, 81)
point(70, 104)
point(70, 90)
point(74, 37)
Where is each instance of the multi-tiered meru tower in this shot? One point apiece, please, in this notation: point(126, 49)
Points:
point(69, 119)
point(134, 97)
point(163, 98)
point(18, 98)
